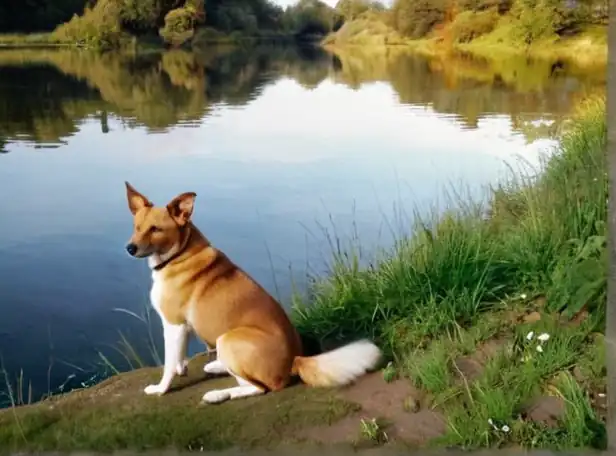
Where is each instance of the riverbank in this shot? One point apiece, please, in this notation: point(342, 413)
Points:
point(587, 48)
point(460, 307)
point(204, 36)
point(33, 40)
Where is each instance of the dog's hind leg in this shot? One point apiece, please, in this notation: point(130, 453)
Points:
point(244, 389)
point(215, 367)
point(258, 361)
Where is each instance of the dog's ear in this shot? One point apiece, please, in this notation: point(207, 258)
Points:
point(136, 200)
point(181, 207)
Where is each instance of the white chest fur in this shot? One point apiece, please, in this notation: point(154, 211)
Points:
point(156, 292)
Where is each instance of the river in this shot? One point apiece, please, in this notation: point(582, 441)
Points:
point(288, 149)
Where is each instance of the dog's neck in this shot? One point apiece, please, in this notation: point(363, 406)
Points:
point(191, 237)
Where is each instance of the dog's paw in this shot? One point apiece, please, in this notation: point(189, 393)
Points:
point(154, 390)
point(216, 396)
point(182, 368)
point(215, 368)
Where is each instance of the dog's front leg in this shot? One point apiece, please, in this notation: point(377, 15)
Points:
point(175, 340)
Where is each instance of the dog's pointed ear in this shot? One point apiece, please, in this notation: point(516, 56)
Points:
point(181, 207)
point(136, 200)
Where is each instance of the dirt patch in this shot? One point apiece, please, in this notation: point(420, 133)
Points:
point(471, 367)
point(116, 414)
point(386, 402)
point(546, 410)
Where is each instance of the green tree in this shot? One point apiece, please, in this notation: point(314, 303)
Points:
point(350, 9)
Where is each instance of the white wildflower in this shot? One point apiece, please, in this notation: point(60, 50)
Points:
point(523, 296)
point(543, 337)
point(505, 428)
point(530, 335)
point(539, 348)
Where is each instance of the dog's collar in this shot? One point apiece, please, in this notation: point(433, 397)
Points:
point(164, 263)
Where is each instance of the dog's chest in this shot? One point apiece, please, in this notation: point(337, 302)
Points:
point(166, 304)
point(156, 294)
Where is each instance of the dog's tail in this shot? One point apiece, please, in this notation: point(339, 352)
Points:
point(337, 367)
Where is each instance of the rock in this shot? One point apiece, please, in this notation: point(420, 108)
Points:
point(411, 405)
point(468, 367)
point(578, 374)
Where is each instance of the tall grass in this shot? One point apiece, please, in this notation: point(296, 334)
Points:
point(544, 236)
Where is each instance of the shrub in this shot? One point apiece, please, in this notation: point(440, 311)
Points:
point(98, 27)
point(469, 25)
point(179, 25)
point(533, 23)
point(415, 18)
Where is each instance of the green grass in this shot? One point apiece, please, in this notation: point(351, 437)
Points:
point(451, 283)
point(28, 40)
point(458, 305)
point(114, 415)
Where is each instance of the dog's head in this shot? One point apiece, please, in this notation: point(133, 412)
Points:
point(157, 230)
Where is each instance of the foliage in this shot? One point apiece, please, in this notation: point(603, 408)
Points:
point(352, 9)
point(98, 27)
point(415, 18)
point(533, 24)
point(518, 23)
point(312, 17)
point(180, 22)
point(109, 23)
point(469, 25)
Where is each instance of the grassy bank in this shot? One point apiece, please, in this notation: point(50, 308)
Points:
point(586, 48)
point(492, 319)
point(537, 265)
point(28, 40)
point(203, 37)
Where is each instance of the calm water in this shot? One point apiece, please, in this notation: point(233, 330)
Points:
point(282, 146)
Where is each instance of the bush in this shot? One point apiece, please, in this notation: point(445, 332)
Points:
point(502, 6)
point(533, 21)
point(415, 18)
point(179, 25)
point(469, 25)
point(98, 27)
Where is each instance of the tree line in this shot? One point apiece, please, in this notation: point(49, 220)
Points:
point(109, 22)
point(525, 21)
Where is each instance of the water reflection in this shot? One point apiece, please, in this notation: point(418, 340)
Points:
point(45, 94)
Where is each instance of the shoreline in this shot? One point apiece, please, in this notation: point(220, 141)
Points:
point(430, 48)
point(203, 36)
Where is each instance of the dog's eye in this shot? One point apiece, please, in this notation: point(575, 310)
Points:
point(155, 229)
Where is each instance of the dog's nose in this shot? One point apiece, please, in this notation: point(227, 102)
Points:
point(131, 249)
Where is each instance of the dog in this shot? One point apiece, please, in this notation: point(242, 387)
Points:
point(197, 288)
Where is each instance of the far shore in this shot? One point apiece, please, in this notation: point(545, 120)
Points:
point(586, 49)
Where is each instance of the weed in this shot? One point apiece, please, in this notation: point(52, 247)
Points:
point(371, 430)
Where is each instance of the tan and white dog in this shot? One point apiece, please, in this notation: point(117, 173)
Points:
point(198, 288)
